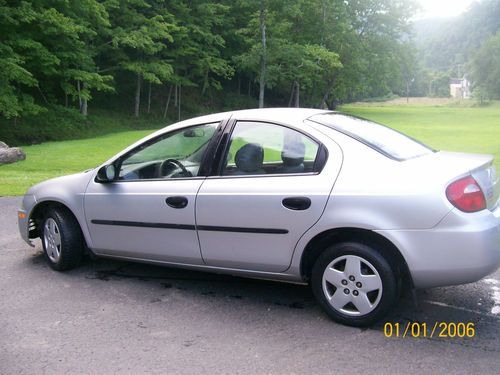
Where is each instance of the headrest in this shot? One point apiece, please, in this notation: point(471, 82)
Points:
point(293, 154)
point(250, 157)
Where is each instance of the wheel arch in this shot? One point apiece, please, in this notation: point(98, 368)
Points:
point(365, 236)
point(37, 214)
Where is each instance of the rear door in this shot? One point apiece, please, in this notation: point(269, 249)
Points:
point(252, 214)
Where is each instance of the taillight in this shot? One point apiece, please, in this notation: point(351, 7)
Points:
point(466, 195)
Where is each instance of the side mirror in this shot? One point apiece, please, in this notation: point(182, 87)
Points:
point(107, 173)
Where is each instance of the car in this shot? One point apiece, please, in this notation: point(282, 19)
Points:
point(357, 210)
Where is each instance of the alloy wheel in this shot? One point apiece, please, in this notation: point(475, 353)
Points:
point(352, 285)
point(52, 240)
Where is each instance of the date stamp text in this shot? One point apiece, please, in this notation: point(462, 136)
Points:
point(438, 329)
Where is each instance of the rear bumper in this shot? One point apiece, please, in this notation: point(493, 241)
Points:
point(462, 249)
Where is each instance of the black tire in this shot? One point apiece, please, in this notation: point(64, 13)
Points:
point(71, 246)
point(369, 256)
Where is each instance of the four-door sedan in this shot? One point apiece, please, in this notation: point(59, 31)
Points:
point(354, 208)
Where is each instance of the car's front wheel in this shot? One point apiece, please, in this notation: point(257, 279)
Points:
point(354, 284)
point(62, 239)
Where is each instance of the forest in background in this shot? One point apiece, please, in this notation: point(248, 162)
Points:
point(466, 45)
point(70, 66)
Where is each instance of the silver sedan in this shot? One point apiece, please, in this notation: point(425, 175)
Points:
point(354, 208)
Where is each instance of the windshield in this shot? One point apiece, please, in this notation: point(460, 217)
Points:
point(379, 137)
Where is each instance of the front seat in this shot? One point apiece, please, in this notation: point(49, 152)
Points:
point(249, 159)
point(293, 157)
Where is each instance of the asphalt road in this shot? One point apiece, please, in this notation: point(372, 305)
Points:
point(117, 317)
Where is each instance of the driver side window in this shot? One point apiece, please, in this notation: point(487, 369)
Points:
point(173, 155)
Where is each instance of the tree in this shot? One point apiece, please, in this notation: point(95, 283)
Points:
point(196, 53)
point(485, 69)
point(79, 72)
point(45, 47)
point(139, 34)
point(298, 52)
point(450, 44)
point(263, 53)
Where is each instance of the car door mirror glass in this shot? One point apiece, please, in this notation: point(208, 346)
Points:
point(110, 172)
point(106, 173)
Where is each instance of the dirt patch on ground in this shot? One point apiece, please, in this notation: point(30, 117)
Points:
point(413, 101)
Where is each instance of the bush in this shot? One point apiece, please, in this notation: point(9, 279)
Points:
point(60, 123)
point(235, 101)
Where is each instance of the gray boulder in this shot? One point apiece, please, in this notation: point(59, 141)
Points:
point(10, 154)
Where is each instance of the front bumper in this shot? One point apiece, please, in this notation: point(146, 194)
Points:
point(23, 217)
point(462, 248)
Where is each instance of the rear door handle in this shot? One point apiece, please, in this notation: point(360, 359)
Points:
point(177, 202)
point(297, 203)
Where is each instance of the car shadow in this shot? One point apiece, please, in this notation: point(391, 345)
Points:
point(263, 294)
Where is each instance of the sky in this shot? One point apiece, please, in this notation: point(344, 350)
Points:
point(443, 8)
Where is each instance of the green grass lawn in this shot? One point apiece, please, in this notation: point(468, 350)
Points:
point(53, 159)
point(447, 127)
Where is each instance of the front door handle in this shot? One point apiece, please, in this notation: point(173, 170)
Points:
point(177, 202)
point(297, 203)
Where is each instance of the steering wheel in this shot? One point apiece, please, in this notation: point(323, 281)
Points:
point(177, 164)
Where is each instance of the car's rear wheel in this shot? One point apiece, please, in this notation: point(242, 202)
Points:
point(62, 239)
point(354, 283)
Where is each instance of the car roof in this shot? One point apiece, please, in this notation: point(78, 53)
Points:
point(282, 115)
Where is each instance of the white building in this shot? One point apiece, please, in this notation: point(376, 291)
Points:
point(460, 88)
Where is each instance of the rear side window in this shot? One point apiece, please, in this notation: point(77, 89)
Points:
point(261, 148)
point(379, 137)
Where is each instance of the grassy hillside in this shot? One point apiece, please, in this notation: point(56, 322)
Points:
point(445, 127)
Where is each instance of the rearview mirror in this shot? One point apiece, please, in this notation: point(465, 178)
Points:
point(106, 174)
point(194, 133)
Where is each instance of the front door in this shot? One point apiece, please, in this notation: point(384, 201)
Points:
point(149, 212)
point(273, 187)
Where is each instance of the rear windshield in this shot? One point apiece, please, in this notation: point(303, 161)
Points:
point(379, 137)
